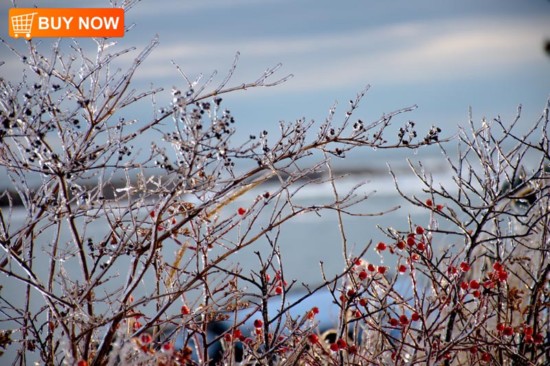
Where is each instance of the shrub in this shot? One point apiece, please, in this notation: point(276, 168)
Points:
point(123, 251)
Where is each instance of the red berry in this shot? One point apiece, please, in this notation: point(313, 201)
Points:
point(371, 267)
point(508, 331)
point(136, 325)
point(500, 327)
point(82, 363)
point(411, 241)
point(227, 337)
point(381, 246)
point(402, 268)
point(486, 357)
point(357, 261)
point(538, 338)
point(315, 310)
point(464, 285)
point(415, 316)
point(341, 344)
point(421, 246)
point(464, 267)
point(278, 290)
point(429, 202)
point(419, 230)
point(415, 257)
point(381, 269)
point(497, 266)
point(258, 323)
point(363, 301)
point(403, 319)
point(400, 245)
point(529, 339)
point(528, 331)
point(145, 338)
point(394, 322)
point(502, 276)
point(474, 285)
point(168, 347)
point(474, 349)
point(313, 338)
point(185, 310)
point(237, 333)
point(439, 207)
point(476, 294)
point(362, 275)
point(334, 347)
point(352, 350)
point(241, 211)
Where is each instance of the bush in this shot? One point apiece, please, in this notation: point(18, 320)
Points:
point(123, 253)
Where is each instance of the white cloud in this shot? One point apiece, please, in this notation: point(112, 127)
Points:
point(403, 53)
point(170, 7)
point(395, 54)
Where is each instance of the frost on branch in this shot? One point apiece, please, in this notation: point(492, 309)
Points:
point(121, 234)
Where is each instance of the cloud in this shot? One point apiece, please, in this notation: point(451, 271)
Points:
point(437, 50)
point(440, 50)
point(171, 7)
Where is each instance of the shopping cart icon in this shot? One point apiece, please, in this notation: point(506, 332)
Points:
point(22, 24)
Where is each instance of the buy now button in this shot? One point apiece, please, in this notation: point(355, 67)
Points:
point(66, 22)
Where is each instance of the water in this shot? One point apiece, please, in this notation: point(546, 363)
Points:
point(310, 239)
point(306, 242)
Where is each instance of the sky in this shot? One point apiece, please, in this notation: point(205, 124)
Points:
point(444, 56)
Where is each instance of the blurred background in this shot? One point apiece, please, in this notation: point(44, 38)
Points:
point(444, 56)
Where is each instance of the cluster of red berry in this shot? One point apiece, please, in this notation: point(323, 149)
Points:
point(403, 320)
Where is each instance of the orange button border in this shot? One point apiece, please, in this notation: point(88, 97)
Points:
point(65, 22)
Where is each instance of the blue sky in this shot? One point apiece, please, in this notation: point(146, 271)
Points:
point(443, 55)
